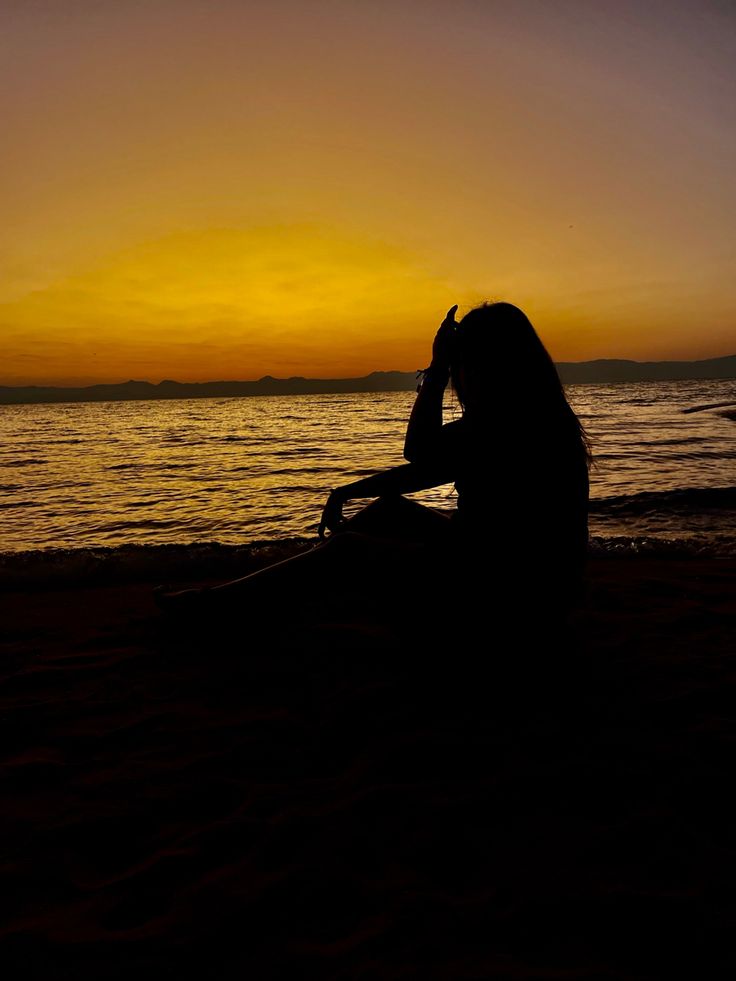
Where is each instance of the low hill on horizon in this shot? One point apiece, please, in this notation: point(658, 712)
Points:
point(600, 371)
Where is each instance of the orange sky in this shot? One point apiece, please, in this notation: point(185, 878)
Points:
point(198, 190)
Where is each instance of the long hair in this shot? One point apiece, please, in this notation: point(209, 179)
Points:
point(498, 358)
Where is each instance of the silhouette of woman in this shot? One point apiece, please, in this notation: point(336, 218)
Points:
point(518, 457)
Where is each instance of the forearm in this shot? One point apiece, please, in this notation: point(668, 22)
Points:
point(404, 479)
point(425, 420)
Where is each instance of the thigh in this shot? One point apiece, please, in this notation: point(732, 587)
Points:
point(398, 518)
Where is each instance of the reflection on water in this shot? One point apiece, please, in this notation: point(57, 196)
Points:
point(248, 469)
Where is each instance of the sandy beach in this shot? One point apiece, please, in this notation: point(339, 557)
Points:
point(333, 793)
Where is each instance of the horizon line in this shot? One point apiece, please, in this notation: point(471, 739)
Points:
point(376, 371)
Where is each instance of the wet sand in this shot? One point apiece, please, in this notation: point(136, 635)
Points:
point(337, 793)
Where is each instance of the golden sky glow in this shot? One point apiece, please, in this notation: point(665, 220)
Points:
point(206, 191)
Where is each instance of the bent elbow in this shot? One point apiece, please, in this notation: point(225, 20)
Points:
point(416, 454)
point(421, 452)
point(411, 451)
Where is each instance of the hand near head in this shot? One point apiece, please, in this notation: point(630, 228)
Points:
point(444, 341)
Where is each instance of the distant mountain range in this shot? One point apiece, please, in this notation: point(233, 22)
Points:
point(601, 371)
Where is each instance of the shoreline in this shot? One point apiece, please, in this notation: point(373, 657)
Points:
point(60, 568)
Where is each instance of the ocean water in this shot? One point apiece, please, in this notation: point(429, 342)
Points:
point(241, 470)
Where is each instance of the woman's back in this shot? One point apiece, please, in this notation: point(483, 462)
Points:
point(522, 496)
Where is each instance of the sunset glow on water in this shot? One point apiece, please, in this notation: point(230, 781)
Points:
point(252, 253)
point(199, 192)
point(252, 469)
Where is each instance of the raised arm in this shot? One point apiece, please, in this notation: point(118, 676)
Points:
point(429, 465)
point(425, 420)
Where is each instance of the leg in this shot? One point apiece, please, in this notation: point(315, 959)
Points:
point(400, 519)
point(348, 557)
point(346, 553)
point(386, 528)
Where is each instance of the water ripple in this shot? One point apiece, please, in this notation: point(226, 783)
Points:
point(237, 470)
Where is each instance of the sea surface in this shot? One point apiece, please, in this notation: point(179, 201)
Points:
point(241, 470)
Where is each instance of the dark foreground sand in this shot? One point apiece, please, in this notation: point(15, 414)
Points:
point(342, 795)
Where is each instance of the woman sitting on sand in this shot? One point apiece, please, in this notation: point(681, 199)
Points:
point(518, 457)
